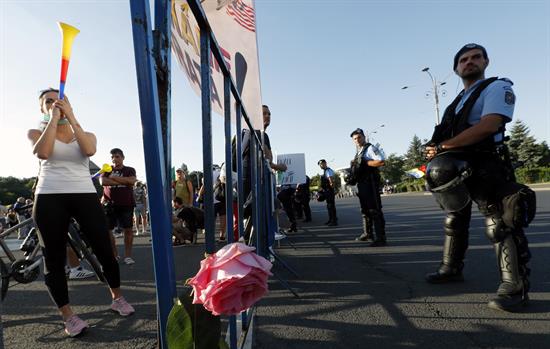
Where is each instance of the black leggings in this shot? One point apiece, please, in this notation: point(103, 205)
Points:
point(52, 214)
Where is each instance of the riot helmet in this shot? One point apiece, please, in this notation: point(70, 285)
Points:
point(445, 176)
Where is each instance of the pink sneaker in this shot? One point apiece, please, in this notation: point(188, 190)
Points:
point(122, 307)
point(75, 326)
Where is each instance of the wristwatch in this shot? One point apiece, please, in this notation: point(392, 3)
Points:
point(439, 147)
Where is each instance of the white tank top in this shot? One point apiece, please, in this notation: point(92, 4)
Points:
point(66, 171)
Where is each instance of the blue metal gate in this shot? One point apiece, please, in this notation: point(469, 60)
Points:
point(152, 52)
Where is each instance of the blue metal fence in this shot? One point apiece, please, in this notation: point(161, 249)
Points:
point(152, 67)
point(155, 162)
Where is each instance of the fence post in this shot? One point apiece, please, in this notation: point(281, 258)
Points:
point(209, 217)
point(155, 165)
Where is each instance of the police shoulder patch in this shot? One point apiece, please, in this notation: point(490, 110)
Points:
point(509, 98)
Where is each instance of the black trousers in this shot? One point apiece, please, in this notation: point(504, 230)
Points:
point(369, 196)
point(371, 206)
point(331, 205)
point(286, 198)
point(301, 206)
point(52, 214)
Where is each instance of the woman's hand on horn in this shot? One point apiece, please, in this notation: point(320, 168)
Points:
point(65, 106)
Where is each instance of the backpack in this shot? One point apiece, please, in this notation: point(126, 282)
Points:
point(519, 205)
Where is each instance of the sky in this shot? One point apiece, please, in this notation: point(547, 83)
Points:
point(326, 67)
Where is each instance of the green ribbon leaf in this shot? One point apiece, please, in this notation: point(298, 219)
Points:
point(179, 330)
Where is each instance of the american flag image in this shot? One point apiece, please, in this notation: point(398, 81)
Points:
point(242, 14)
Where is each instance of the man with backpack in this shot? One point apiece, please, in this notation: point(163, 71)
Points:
point(469, 162)
point(364, 168)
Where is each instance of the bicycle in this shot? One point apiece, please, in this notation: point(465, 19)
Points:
point(25, 270)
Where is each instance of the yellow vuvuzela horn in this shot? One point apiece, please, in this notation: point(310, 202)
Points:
point(106, 168)
point(68, 33)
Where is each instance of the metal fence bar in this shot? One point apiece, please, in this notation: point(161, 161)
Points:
point(154, 164)
point(229, 191)
point(239, 167)
point(208, 197)
point(162, 41)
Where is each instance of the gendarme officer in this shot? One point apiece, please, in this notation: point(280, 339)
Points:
point(469, 163)
point(328, 188)
point(365, 170)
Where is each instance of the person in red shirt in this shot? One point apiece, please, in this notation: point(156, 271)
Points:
point(118, 200)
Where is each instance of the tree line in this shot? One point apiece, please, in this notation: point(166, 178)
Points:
point(531, 159)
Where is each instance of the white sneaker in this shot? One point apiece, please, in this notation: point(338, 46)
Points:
point(279, 236)
point(80, 273)
point(129, 261)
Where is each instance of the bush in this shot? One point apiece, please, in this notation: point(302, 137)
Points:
point(401, 188)
point(533, 175)
point(410, 185)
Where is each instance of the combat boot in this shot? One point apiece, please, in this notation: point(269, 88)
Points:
point(379, 229)
point(446, 274)
point(512, 293)
point(367, 234)
point(450, 269)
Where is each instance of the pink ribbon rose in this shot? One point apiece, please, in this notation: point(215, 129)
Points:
point(231, 280)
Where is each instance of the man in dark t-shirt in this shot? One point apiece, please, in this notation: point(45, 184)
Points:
point(118, 200)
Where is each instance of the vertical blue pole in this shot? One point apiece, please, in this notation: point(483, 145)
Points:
point(209, 217)
point(240, 187)
point(240, 174)
point(154, 163)
point(162, 44)
point(260, 205)
point(254, 184)
point(229, 191)
point(228, 160)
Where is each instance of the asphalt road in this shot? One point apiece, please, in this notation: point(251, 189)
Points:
point(350, 295)
point(353, 296)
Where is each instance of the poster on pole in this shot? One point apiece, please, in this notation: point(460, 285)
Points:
point(234, 25)
point(295, 169)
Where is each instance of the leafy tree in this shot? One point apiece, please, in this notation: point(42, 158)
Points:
point(528, 153)
point(315, 181)
point(544, 153)
point(518, 133)
point(394, 168)
point(523, 147)
point(337, 182)
point(11, 188)
point(414, 157)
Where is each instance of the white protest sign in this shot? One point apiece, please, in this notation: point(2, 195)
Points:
point(295, 169)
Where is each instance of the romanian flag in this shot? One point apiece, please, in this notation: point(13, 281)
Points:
point(415, 172)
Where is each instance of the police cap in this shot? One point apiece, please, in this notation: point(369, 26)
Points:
point(357, 131)
point(466, 48)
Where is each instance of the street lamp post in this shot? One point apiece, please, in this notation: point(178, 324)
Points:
point(373, 131)
point(436, 91)
point(436, 85)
